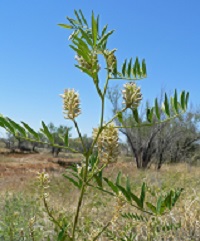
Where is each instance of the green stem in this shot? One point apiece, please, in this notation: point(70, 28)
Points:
point(102, 111)
point(78, 211)
point(99, 170)
point(103, 229)
point(124, 78)
point(115, 117)
point(80, 136)
point(97, 86)
point(142, 210)
point(80, 198)
point(148, 124)
point(106, 84)
point(87, 155)
point(101, 189)
point(100, 128)
point(49, 213)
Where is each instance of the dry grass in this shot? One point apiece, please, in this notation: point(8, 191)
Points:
point(18, 172)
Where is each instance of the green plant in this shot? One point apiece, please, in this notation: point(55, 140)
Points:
point(89, 42)
point(18, 217)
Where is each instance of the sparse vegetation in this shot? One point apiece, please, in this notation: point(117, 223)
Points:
point(21, 201)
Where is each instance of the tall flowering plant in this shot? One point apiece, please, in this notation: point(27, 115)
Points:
point(89, 42)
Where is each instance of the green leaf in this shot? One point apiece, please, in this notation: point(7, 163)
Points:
point(65, 26)
point(183, 100)
point(144, 70)
point(72, 21)
point(148, 111)
point(124, 68)
point(134, 72)
point(172, 103)
point(143, 194)
point(176, 196)
point(125, 193)
point(73, 168)
point(99, 178)
point(129, 68)
point(136, 69)
point(94, 30)
point(176, 102)
point(47, 133)
point(118, 180)
point(31, 131)
point(79, 178)
point(151, 207)
point(61, 235)
point(86, 71)
point(166, 105)
point(136, 115)
point(72, 181)
point(134, 216)
point(74, 33)
point(81, 45)
point(97, 26)
point(136, 200)
point(186, 100)
point(101, 189)
point(150, 114)
point(120, 117)
point(128, 186)
point(80, 53)
point(5, 124)
point(83, 18)
point(157, 109)
point(104, 30)
point(93, 160)
point(17, 127)
point(86, 37)
point(2, 125)
point(168, 200)
point(111, 185)
point(105, 38)
point(78, 18)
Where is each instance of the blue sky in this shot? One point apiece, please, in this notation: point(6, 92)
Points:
point(36, 64)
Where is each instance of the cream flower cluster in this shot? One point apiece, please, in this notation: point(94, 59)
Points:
point(107, 143)
point(88, 65)
point(71, 104)
point(131, 95)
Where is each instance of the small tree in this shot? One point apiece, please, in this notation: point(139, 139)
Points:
point(169, 141)
point(58, 133)
point(142, 141)
point(177, 141)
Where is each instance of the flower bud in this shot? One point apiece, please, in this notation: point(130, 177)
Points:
point(131, 95)
point(111, 61)
point(82, 63)
point(88, 65)
point(43, 179)
point(71, 104)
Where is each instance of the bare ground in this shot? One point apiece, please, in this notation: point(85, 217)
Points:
point(17, 168)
